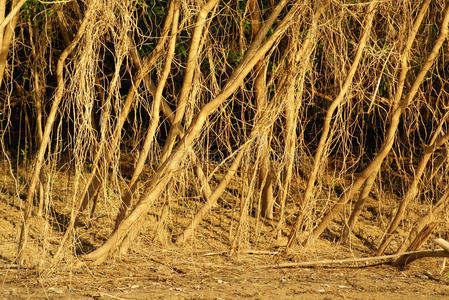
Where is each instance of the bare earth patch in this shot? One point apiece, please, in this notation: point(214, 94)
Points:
point(175, 274)
point(201, 269)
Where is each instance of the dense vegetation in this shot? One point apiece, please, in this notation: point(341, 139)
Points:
point(195, 94)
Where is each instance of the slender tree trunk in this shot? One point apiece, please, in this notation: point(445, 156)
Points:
point(38, 101)
point(260, 92)
point(14, 12)
point(424, 221)
point(364, 195)
point(298, 60)
point(421, 238)
point(165, 172)
point(212, 198)
point(171, 20)
point(154, 121)
point(389, 139)
point(46, 135)
point(404, 69)
point(7, 27)
point(104, 154)
point(327, 122)
point(94, 182)
point(411, 192)
point(192, 63)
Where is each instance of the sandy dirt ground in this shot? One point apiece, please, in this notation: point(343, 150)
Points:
point(171, 274)
point(155, 269)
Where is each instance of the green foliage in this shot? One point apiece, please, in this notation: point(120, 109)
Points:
point(24, 151)
point(155, 9)
point(234, 57)
point(247, 26)
point(146, 49)
point(383, 87)
point(150, 13)
point(182, 50)
point(37, 12)
point(87, 168)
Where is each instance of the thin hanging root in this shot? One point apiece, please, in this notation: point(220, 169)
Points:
point(175, 119)
point(211, 200)
point(187, 84)
point(46, 135)
point(157, 100)
point(390, 136)
point(165, 172)
point(412, 190)
point(93, 183)
point(130, 235)
point(317, 161)
point(247, 94)
point(260, 93)
point(425, 221)
point(293, 102)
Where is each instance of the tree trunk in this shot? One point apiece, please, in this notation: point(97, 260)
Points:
point(317, 161)
point(46, 135)
point(411, 192)
point(388, 142)
point(299, 60)
point(165, 172)
point(7, 27)
point(260, 93)
point(404, 69)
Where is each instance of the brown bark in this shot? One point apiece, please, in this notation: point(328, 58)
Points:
point(404, 69)
point(363, 197)
point(38, 99)
point(211, 199)
point(260, 92)
point(389, 139)
point(165, 172)
point(425, 220)
point(192, 63)
point(153, 125)
point(46, 135)
point(7, 27)
point(173, 18)
point(16, 6)
point(411, 192)
point(420, 239)
point(317, 161)
point(94, 182)
point(299, 60)
point(408, 259)
point(175, 120)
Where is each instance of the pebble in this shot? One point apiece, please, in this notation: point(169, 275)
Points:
point(56, 290)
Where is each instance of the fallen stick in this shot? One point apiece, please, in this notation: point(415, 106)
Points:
point(250, 252)
point(443, 244)
point(412, 256)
